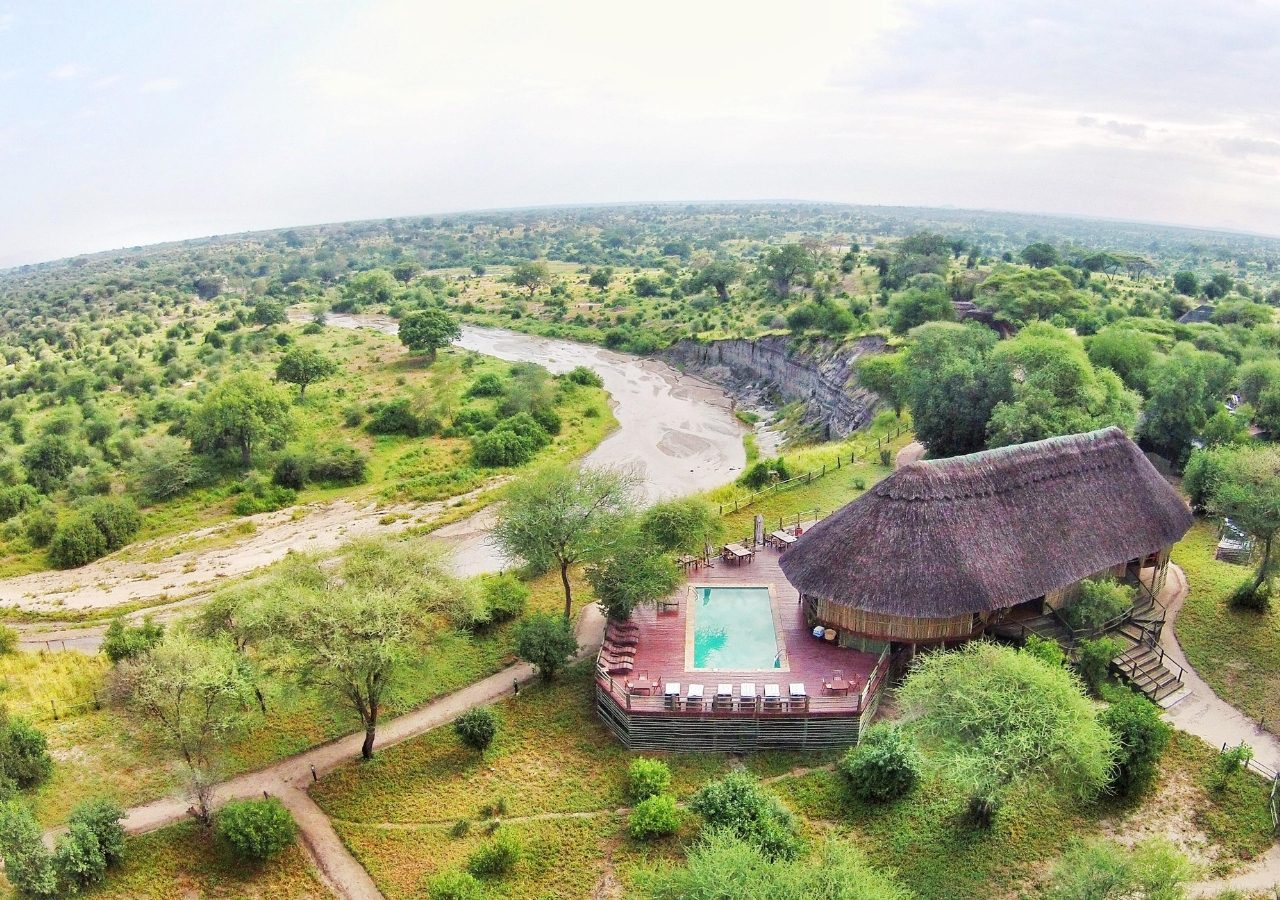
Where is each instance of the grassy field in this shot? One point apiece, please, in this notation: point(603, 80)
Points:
point(185, 861)
point(561, 779)
point(1236, 651)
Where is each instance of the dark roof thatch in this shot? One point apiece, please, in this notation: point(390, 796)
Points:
point(1202, 313)
point(989, 530)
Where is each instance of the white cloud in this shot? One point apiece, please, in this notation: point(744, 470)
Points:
point(105, 82)
point(67, 71)
point(6, 21)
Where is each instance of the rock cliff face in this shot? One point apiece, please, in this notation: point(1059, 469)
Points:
point(822, 378)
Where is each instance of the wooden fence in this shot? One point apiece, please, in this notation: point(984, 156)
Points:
point(58, 710)
point(841, 460)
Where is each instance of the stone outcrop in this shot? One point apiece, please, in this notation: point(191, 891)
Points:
point(771, 369)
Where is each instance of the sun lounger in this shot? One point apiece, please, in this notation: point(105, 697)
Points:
point(799, 696)
point(724, 697)
point(772, 697)
point(617, 650)
point(747, 698)
point(622, 638)
point(619, 667)
point(671, 695)
point(693, 700)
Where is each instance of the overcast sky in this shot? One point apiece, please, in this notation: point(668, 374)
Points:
point(125, 123)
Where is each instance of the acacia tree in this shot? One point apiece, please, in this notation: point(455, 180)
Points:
point(718, 274)
point(564, 516)
point(196, 695)
point(1246, 489)
point(631, 573)
point(354, 642)
point(304, 366)
point(428, 331)
point(531, 275)
point(242, 412)
point(1003, 713)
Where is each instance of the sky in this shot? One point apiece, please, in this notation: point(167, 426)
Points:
point(127, 123)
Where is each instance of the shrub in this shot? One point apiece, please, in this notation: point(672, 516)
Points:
point(103, 818)
point(24, 753)
point(1152, 869)
point(495, 857)
point(165, 470)
point(655, 816)
point(737, 803)
point(16, 499)
point(292, 471)
point(528, 427)
point(546, 642)
point(394, 417)
point(123, 641)
point(474, 420)
point(885, 457)
point(27, 862)
point(1099, 602)
point(1094, 659)
point(256, 829)
point(585, 377)
point(257, 496)
point(40, 525)
point(116, 518)
point(1228, 763)
point(1045, 650)
point(505, 596)
point(647, 778)
point(501, 447)
point(340, 464)
point(761, 472)
point(686, 524)
point(884, 766)
point(477, 727)
point(487, 385)
point(1141, 738)
point(547, 417)
point(76, 541)
point(8, 640)
point(461, 828)
point(455, 885)
point(78, 859)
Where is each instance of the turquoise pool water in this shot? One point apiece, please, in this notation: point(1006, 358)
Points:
point(733, 629)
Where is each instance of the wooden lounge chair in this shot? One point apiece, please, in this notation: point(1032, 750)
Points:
point(724, 698)
point(619, 667)
point(772, 698)
point(671, 695)
point(622, 638)
point(616, 650)
point(799, 698)
point(693, 699)
point(747, 698)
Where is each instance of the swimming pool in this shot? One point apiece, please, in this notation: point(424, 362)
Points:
point(733, 628)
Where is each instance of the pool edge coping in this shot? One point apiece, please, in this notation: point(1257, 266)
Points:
point(779, 636)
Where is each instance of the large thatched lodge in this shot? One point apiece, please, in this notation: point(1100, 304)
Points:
point(939, 552)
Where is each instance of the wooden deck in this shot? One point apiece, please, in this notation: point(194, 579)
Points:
point(660, 657)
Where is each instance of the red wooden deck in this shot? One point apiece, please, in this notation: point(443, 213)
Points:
point(660, 647)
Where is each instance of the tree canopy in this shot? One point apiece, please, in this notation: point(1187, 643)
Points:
point(428, 331)
point(241, 412)
point(304, 366)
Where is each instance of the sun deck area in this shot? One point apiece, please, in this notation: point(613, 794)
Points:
point(812, 694)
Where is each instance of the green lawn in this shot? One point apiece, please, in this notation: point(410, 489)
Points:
point(1236, 651)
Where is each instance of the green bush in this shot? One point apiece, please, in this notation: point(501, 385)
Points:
point(455, 885)
point(739, 804)
point(24, 752)
point(487, 385)
point(122, 641)
point(760, 474)
point(117, 518)
point(292, 470)
point(76, 541)
point(394, 417)
point(40, 524)
point(505, 596)
point(27, 862)
point(647, 778)
point(1141, 738)
point(1045, 650)
point(501, 447)
point(78, 859)
point(585, 377)
point(884, 766)
point(495, 857)
point(1100, 601)
point(546, 642)
point(1228, 764)
point(16, 499)
point(256, 829)
point(104, 819)
point(655, 816)
point(687, 525)
point(256, 496)
point(477, 727)
point(340, 464)
point(1094, 660)
point(1154, 869)
point(473, 420)
point(8, 640)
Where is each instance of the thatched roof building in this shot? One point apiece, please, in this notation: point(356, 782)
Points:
point(952, 540)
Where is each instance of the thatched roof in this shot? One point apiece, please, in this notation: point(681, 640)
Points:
point(989, 530)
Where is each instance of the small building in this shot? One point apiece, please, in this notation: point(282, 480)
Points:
point(941, 550)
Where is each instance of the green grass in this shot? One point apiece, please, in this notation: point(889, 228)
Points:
point(184, 861)
point(40, 686)
point(1236, 651)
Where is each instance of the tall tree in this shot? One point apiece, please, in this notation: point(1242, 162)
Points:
point(1246, 489)
point(304, 366)
point(195, 694)
point(562, 517)
point(531, 275)
point(783, 266)
point(1040, 255)
point(428, 331)
point(1186, 283)
point(884, 374)
point(633, 572)
point(718, 274)
point(951, 387)
point(241, 412)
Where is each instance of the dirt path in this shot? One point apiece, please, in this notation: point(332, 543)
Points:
point(1209, 717)
point(291, 777)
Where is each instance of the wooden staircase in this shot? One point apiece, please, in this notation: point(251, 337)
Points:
point(1145, 666)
